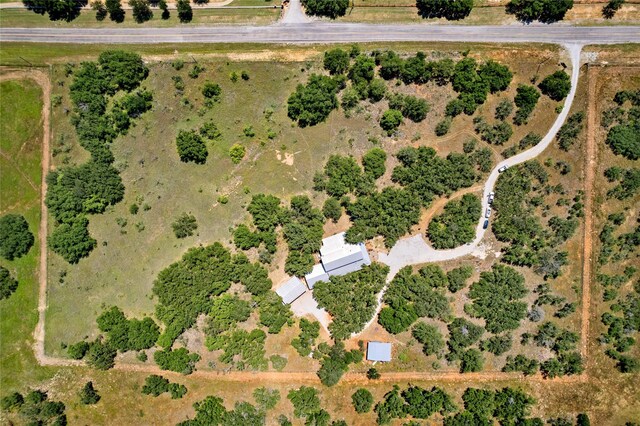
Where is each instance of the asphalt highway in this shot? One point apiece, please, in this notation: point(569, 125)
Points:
point(329, 32)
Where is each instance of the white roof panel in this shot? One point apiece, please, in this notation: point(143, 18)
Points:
point(379, 351)
point(317, 274)
point(291, 290)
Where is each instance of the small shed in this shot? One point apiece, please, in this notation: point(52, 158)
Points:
point(291, 290)
point(379, 351)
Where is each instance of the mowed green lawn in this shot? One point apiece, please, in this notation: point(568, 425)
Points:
point(20, 145)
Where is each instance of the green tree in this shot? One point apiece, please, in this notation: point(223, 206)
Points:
point(456, 225)
point(191, 147)
point(185, 13)
point(624, 139)
point(155, 385)
point(8, 284)
point(312, 104)
point(211, 91)
point(266, 398)
point(526, 100)
point(336, 61)
point(430, 337)
point(78, 350)
point(101, 355)
point(185, 225)
point(15, 237)
point(496, 75)
point(141, 10)
point(179, 360)
point(546, 11)
point(391, 120)
point(116, 12)
point(72, 240)
point(557, 85)
point(362, 401)
point(495, 298)
point(88, 394)
point(374, 162)
point(227, 311)
point(329, 8)
point(305, 401)
point(62, 10)
point(610, 9)
point(451, 10)
point(332, 209)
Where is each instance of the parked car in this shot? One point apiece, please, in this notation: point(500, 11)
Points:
point(486, 224)
point(491, 197)
point(488, 213)
point(502, 169)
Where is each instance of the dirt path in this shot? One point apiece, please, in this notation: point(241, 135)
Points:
point(592, 79)
point(42, 79)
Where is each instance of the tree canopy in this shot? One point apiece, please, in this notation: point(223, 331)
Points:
point(15, 237)
point(557, 85)
point(328, 8)
point(456, 225)
point(312, 103)
point(451, 10)
point(546, 11)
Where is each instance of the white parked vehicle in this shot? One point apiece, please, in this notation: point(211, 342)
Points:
point(491, 197)
point(488, 213)
point(502, 169)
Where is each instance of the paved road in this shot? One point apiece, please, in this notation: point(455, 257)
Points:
point(294, 14)
point(329, 32)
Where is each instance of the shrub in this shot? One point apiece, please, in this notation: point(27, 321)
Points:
point(332, 209)
point(336, 61)
point(362, 401)
point(15, 237)
point(312, 104)
point(184, 226)
point(88, 394)
point(429, 337)
point(179, 360)
point(237, 153)
point(452, 11)
point(557, 85)
point(374, 162)
point(391, 120)
point(72, 240)
point(8, 284)
point(330, 9)
point(526, 100)
point(211, 91)
point(191, 147)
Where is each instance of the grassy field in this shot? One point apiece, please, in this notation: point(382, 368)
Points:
point(120, 272)
point(20, 145)
point(28, 19)
point(609, 398)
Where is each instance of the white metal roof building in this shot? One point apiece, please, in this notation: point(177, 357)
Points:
point(338, 257)
point(379, 351)
point(316, 275)
point(291, 290)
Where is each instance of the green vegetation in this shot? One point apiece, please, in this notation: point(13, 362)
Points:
point(179, 360)
point(88, 394)
point(391, 120)
point(362, 401)
point(425, 174)
point(127, 335)
point(414, 401)
point(312, 104)
point(36, 408)
point(266, 398)
point(413, 108)
point(336, 61)
point(157, 385)
point(335, 362)
point(240, 348)
point(184, 226)
point(456, 225)
point(64, 10)
point(495, 299)
point(623, 138)
point(226, 312)
point(185, 13)
point(526, 100)
point(8, 284)
point(546, 11)
point(305, 401)
point(411, 296)
point(430, 337)
point(452, 11)
point(237, 153)
point(89, 188)
point(351, 298)
point(609, 10)
point(328, 8)
point(462, 334)
point(557, 85)
point(15, 237)
point(309, 332)
point(569, 131)
point(191, 147)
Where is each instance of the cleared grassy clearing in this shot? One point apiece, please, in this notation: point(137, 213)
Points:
point(87, 19)
point(20, 145)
